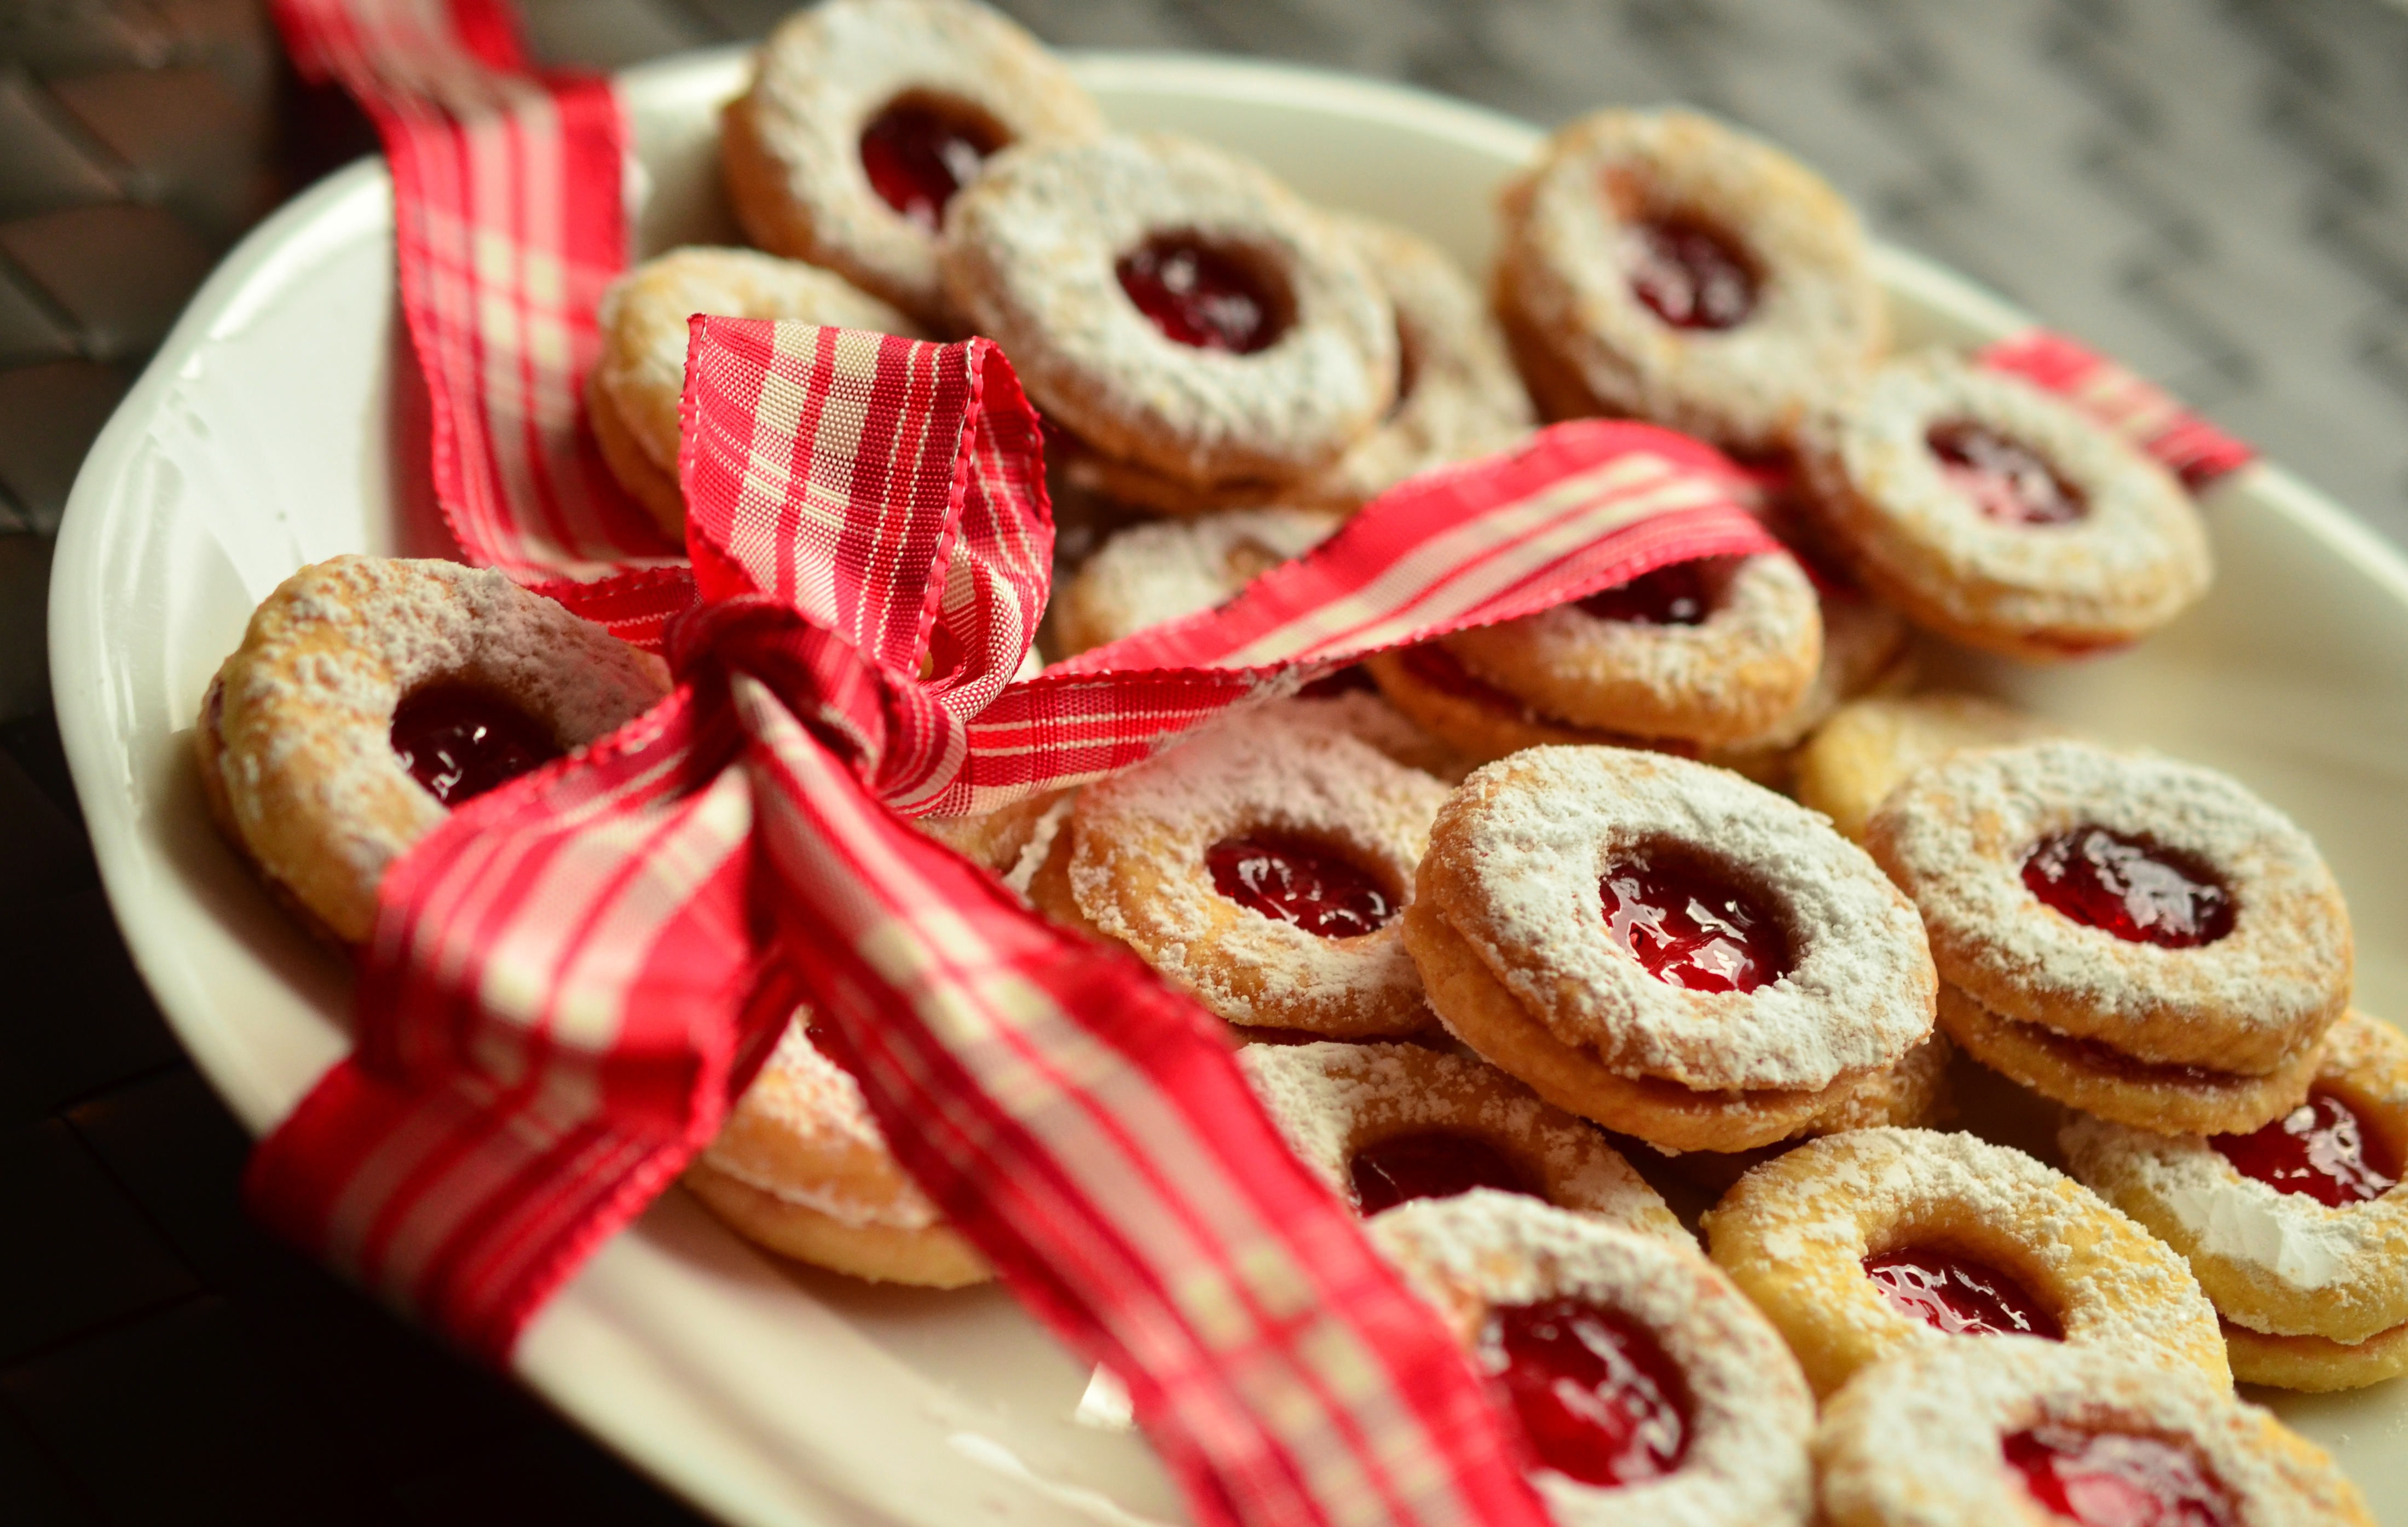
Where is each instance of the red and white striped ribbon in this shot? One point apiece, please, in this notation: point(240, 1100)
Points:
point(569, 979)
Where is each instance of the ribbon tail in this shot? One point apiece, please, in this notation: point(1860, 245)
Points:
point(1086, 1128)
point(564, 987)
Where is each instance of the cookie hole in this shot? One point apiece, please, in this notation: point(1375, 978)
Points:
point(1686, 268)
point(2324, 1148)
point(2007, 481)
point(460, 739)
point(1208, 294)
point(1692, 921)
point(1681, 594)
point(1958, 1295)
point(2114, 1478)
point(1431, 1163)
point(2131, 886)
point(1309, 884)
point(922, 147)
point(1597, 1397)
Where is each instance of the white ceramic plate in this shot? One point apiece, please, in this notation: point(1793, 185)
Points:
point(276, 429)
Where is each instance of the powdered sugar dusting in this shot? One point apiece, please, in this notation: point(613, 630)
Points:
point(1138, 870)
point(1956, 836)
point(1918, 1440)
point(1159, 571)
point(803, 1133)
point(1750, 1413)
point(310, 776)
point(1533, 834)
point(1330, 1101)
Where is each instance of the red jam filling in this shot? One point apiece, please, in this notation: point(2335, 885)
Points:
point(2009, 482)
point(1433, 1164)
point(2320, 1149)
point(2118, 1479)
point(1293, 882)
point(1197, 296)
point(1596, 1397)
point(917, 156)
point(1691, 275)
point(1959, 1296)
point(1689, 926)
point(460, 741)
point(2138, 890)
point(1671, 595)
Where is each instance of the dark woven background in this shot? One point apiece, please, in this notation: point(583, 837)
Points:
point(2215, 190)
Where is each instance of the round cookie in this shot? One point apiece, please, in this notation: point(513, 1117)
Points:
point(1998, 514)
point(353, 661)
point(800, 1167)
point(1646, 1388)
point(1964, 1237)
point(1664, 947)
point(1663, 265)
point(2013, 1432)
point(863, 119)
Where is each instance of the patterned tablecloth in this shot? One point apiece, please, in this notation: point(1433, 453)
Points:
point(2216, 190)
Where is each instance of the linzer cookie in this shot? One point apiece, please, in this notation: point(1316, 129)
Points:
point(1390, 1124)
point(1664, 947)
point(801, 1168)
point(866, 117)
point(1864, 1245)
point(1262, 865)
point(1176, 308)
point(1987, 1433)
point(1998, 514)
point(2295, 1230)
point(1477, 719)
point(1457, 394)
point(1644, 1387)
point(370, 696)
point(1663, 265)
point(2140, 938)
point(1711, 652)
point(632, 395)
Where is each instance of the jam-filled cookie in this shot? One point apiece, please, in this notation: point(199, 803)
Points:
point(2295, 1230)
point(633, 395)
point(1261, 865)
point(1390, 1124)
point(1175, 308)
point(1643, 1386)
point(801, 1168)
point(1457, 394)
point(1858, 756)
point(865, 117)
point(2015, 1434)
point(1155, 572)
point(370, 696)
point(1862, 1245)
point(2140, 938)
point(1663, 265)
point(1716, 652)
point(1664, 947)
point(1998, 514)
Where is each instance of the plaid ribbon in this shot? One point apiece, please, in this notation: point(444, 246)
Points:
point(570, 978)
